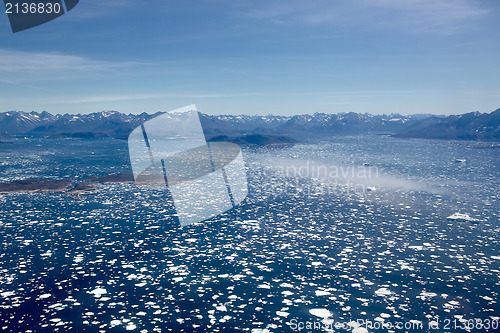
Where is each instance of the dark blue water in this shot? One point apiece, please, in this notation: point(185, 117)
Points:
point(310, 246)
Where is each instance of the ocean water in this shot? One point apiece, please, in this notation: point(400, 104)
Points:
point(343, 234)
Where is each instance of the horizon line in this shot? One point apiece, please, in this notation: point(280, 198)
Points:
point(250, 115)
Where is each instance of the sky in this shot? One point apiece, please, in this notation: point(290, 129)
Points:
point(257, 57)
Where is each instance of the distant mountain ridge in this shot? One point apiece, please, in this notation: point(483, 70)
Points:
point(99, 124)
point(470, 126)
point(318, 123)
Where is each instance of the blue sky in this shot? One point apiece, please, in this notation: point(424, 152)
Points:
point(257, 57)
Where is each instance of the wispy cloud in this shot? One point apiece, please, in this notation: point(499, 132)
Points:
point(445, 16)
point(25, 85)
point(97, 8)
point(131, 97)
point(12, 61)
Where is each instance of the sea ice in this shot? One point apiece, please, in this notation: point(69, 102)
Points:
point(321, 313)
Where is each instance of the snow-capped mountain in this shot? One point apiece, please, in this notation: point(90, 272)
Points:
point(240, 124)
point(471, 126)
point(21, 122)
point(104, 123)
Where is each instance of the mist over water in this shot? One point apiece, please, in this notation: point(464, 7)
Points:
point(361, 177)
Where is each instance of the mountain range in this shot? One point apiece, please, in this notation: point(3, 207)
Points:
point(469, 126)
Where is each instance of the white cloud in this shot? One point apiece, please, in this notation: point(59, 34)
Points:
point(16, 83)
point(431, 16)
point(445, 16)
point(131, 97)
point(89, 9)
point(12, 61)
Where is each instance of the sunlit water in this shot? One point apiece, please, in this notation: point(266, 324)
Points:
point(319, 240)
